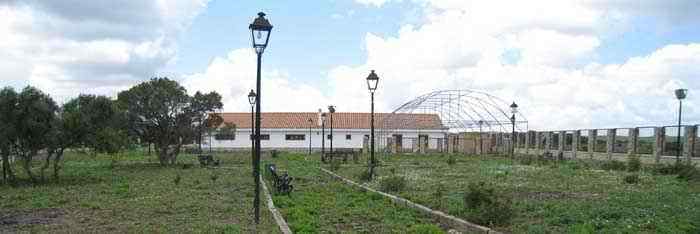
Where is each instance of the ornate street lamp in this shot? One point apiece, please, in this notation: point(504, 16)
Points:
point(481, 139)
point(323, 136)
point(372, 82)
point(251, 100)
point(311, 124)
point(260, 31)
point(680, 95)
point(331, 109)
point(514, 110)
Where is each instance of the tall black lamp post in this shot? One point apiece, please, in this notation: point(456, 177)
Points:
point(251, 100)
point(311, 124)
point(260, 31)
point(680, 94)
point(331, 109)
point(481, 139)
point(514, 110)
point(372, 81)
point(323, 136)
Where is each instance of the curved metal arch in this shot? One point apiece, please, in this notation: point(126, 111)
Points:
point(459, 111)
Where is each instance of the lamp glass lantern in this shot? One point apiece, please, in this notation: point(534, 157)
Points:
point(251, 97)
point(260, 32)
point(514, 108)
point(681, 93)
point(372, 81)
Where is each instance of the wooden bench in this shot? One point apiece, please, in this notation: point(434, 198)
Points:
point(208, 160)
point(282, 183)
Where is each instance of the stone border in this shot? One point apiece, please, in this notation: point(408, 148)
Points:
point(452, 221)
point(275, 213)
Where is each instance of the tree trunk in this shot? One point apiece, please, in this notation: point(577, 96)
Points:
point(28, 166)
point(57, 163)
point(47, 164)
point(7, 173)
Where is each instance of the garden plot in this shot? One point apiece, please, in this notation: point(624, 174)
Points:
point(322, 204)
point(542, 196)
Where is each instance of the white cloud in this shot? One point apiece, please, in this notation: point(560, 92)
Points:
point(69, 47)
point(541, 54)
point(234, 76)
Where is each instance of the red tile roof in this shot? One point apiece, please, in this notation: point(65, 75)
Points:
point(340, 120)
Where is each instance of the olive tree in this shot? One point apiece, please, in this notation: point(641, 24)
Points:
point(8, 130)
point(161, 112)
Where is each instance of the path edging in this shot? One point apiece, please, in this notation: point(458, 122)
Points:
point(284, 227)
point(452, 221)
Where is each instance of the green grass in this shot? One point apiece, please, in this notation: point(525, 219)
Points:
point(137, 195)
point(550, 197)
point(321, 204)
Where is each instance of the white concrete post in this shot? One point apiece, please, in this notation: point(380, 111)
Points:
point(548, 142)
point(574, 143)
point(611, 143)
point(633, 139)
point(691, 133)
point(592, 135)
point(562, 142)
point(659, 141)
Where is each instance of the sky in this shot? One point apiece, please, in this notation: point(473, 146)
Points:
point(568, 64)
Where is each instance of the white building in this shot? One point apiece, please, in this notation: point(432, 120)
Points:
point(298, 130)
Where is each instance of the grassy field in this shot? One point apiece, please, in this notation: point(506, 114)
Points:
point(549, 197)
point(136, 195)
point(320, 204)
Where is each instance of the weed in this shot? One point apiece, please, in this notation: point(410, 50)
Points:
point(631, 178)
point(451, 160)
point(393, 183)
point(613, 165)
point(688, 172)
point(177, 179)
point(440, 191)
point(335, 164)
point(633, 163)
point(425, 229)
point(486, 206)
point(213, 177)
point(364, 176)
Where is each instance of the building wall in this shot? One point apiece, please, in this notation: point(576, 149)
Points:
point(278, 138)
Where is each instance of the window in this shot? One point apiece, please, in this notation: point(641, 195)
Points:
point(224, 136)
point(264, 137)
point(348, 137)
point(295, 137)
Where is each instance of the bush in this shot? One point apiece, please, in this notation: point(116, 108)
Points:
point(634, 163)
point(486, 206)
point(477, 194)
point(425, 229)
point(335, 164)
point(631, 179)
point(394, 183)
point(688, 172)
point(177, 179)
point(451, 160)
point(613, 165)
point(364, 176)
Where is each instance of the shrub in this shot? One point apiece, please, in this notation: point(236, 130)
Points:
point(393, 183)
point(214, 177)
point(486, 206)
point(177, 179)
point(527, 159)
point(440, 191)
point(477, 194)
point(685, 171)
point(631, 178)
point(451, 160)
point(634, 163)
point(426, 229)
point(364, 175)
point(613, 165)
point(335, 164)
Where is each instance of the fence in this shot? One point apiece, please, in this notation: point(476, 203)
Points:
point(650, 143)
